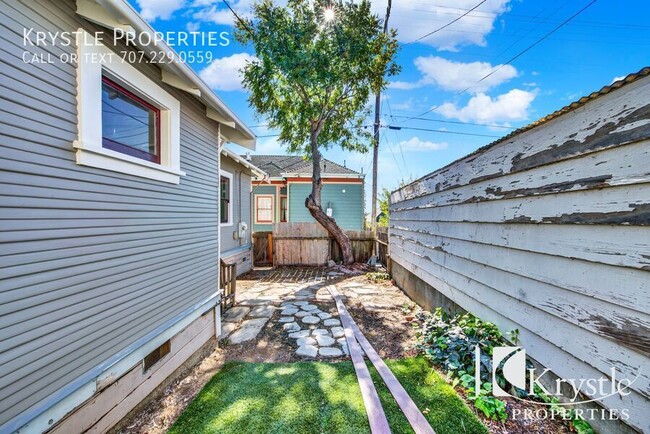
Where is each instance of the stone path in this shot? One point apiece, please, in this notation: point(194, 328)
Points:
point(307, 313)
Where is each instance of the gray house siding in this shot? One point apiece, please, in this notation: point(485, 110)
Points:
point(91, 260)
point(548, 232)
point(234, 249)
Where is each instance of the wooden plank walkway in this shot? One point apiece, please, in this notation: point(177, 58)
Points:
point(356, 339)
point(376, 415)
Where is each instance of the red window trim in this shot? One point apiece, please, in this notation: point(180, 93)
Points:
point(257, 208)
point(124, 149)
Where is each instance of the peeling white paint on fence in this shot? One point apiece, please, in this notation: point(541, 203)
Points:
point(548, 231)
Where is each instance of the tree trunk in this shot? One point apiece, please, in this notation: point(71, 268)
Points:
point(313, 204)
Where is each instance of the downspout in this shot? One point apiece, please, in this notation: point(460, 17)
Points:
point(217, 307)
point(239, 197)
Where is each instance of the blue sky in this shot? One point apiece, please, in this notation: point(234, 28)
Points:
point(608, 40)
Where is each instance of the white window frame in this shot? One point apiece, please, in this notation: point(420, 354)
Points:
point(228, 175)
point(257, 222)
point(95, 60)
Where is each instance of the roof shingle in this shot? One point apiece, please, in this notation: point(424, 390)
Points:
point(276, 165)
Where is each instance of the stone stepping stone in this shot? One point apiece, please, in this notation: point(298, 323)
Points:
point(227, 328)
point(236, 314)
point(287, 304)
point(344, 347)
point(311, 320)
point(338, 332)
point(249, 330)
point(331, 322)
point(286, 319)
point(305, 341)
point(289, 311)
point(324, 315)
point(291, 327)
point(374, 307)
point(299, 334)
point(300, 303)
point(256, 301)
point(262, 311)
point(324, 340)
point(309, 307)
point(307, 351)
point(302, 313)
point(320, 332)
point(330, 352)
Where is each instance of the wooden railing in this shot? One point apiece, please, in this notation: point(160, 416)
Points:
point(228, 283)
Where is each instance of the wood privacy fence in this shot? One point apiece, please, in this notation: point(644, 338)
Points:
point(262, 248)
point(307, 244)
point(546, 231)
point(382, 245)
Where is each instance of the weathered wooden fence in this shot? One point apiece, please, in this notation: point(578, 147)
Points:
point(262, 249)
point(547, 231)
point(382, 245)
point(310, 244)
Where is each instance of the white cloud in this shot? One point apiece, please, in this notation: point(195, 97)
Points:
point(417, 145)
point(163, 9)
point(511, 106)
point(615, 79)
point(192, 26)
point(218, 13)
point(269, 146)
point(225, 73)
point(457, 76)
point(415, 19)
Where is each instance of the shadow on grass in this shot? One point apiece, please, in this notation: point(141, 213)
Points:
point(317, 397)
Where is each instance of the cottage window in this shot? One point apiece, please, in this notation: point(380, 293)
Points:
point(225, 209)
point(283, 209)
point(130, 124)
point(127, 122)
point(264, 209)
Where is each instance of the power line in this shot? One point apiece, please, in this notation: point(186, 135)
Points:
point(512, 59)
point(448, 24)
point(444, 121)
point(459, 133)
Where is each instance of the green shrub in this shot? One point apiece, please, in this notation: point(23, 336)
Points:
point(450, 342)
point(377, 277)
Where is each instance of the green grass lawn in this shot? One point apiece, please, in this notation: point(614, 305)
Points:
point(317, 397)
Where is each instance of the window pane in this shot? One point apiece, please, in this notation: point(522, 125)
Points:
point(225, 199)
point(264, 209)
point(128, 124)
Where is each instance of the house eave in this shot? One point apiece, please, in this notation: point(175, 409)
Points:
point(119, 14)
point(259, 173)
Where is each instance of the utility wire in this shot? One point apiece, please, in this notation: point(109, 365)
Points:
point(446, 25)
point(444, 121)
point(460, 133)
point(515, 57)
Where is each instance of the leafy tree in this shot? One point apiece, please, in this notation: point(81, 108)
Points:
point(384, 202)
point(384, 198)
point(318, 63)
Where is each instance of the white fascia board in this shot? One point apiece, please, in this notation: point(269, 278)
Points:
point(244, 162)
point(324, 175)
point(216, 116)
point(175, 81)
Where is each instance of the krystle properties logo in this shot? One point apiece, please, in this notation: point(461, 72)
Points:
point(509, 364)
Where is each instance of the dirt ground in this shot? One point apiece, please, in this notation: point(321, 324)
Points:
point(382, 312)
